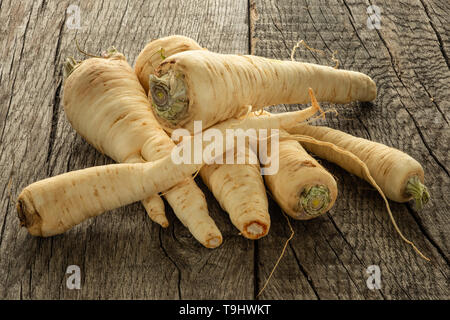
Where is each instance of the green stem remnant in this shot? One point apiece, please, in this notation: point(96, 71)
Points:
point(109, 52)
point(71, 64)
point(418, 191)
point(314, 200)
point(169, 97)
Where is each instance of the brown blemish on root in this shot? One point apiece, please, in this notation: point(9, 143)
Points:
point(118, 119)
point(308, 163)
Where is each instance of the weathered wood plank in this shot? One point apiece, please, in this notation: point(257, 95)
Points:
point(437, 13)
point(405, 60)
point(27, 100)
point(121, 254)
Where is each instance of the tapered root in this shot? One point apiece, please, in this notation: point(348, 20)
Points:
point(418, 191)
point(161, 220)
point(154, 206)
point(365, 173)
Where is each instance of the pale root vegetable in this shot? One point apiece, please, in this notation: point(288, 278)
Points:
point(54, 205)
point(270, 121)
point(106, 104)
point(301, 187)
point(239, 188)
point(353, 164)
point(240, 191)
point(149, 58)
point(399, 175)
point(156, 51)
point(212, 87)
point(154, 206)
point(96, 121)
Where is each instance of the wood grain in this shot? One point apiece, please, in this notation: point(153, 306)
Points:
point(405, 60)
point(123, 255)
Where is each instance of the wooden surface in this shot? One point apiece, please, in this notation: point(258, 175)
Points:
point(122, 254)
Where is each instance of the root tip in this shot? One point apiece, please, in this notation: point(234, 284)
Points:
point(255, 230)
point(213, 242)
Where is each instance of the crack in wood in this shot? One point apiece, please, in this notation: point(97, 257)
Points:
point(4, 222)
point(281, 32)
point(438, 36)
point(120, 23)
point(172, 262)
point(256, 277)
point(305, 274)
point(431, 97)
point(351, 19)
point(344, 266)
point(37, 282)
point(58, 46)
point(425, 232)
point(430, 151)
point(396, 281)
point(54, 125)
point(364, 126)
point(344, 238)
point(18, 69)
point(359, 259)
point(25, 36)
point(250, 7)
point(42, 6)
point(314, 26)
point(9, 107)
point(410, 114)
